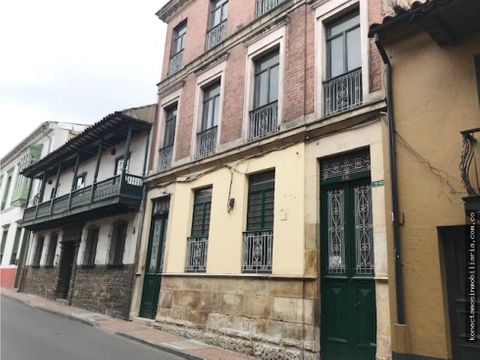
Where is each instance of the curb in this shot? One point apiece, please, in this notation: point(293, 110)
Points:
point(160, 347)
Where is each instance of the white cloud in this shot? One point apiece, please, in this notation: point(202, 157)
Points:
point(64, 60)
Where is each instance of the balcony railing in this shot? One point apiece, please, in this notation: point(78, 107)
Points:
point(343, 92)
point(206, 142)
point(176, 63)
point(165, 158)
point(128, 185)
point(471, 156)
point(257, 251)
point(197, 247)
point(263, 121)
point(216, 35)
point(264, 6)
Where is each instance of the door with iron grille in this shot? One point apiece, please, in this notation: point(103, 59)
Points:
point(348, 322)
point(154, 263)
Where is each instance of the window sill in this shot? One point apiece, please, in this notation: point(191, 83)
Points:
point(87, 266)
point(49, 266)
point(116, 266)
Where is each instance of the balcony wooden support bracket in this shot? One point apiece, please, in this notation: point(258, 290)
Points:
point(75, 173)
point(57, 182)
point(97, 168)
point(40, 194)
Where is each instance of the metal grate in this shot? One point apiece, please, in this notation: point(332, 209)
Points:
point(216, 35)
point(176, 63)
point(197, 247)
point(206, 142)
point(336, 231)
point(257, 251)
point(264, 6)
point(363, 230)
point(165, 159)
point(343, 92)
point(263, 121)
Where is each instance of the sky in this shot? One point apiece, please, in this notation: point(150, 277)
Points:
point(75, 61)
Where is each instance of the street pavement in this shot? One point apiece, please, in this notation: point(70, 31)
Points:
point(31, 333)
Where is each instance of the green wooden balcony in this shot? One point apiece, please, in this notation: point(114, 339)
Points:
point(119, 194)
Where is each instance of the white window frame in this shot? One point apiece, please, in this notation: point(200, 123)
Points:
point(323, 14)
point(216, 73)
point(263, 45)
point(166, 102)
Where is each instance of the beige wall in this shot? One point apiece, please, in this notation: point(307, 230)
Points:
point(225, 238)
point(435, 98)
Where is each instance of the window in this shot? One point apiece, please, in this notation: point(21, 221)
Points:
point(261, 190)
point(264, 6)
point(166, 152)
point(4, 242)
point(117, 245)
point(178, 44)
point(258, 239)
point(90, 247)
point(218, 18)
point(266, 80)
point(119, 165)
point(6, 190)
point(207, 137)
point(197, 243)
point(80, 181)
point(13, 256)
point(264, 116)
point(52, 248)
point(38, 251)
point(343, 45)
point(343, 89)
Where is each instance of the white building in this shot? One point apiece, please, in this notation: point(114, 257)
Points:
point(87, 219)
point(14, 187)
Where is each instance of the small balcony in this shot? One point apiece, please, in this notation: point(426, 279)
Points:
point(115, 195)
point(264, 6)
point(206, 142)
point(176, 63)
point(165, 158)
point(469, 170)
point(197, 247)
point(263, 121)
point(343, 93)
point(216, 35)
point(257, 251)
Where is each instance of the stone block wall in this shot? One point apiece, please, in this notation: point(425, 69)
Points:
point(105, 289)
point(260, 316)
point(41, 281)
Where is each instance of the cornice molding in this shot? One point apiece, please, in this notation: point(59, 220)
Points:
point(171, 9)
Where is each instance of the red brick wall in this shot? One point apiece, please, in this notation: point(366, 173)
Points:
point(185, 118)
point(234, 95)
point(240, 13)
point(375, 62)
point(299, 68)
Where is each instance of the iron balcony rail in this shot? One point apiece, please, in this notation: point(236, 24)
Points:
point(263, 121)
point(470, 155)
point(264, 6)
point(128, 185)
point(216, 34)
point(343, 92)
point(176, 63)
point(206, 142)
point(165, 158)
point(257, 251)
point(197, 247)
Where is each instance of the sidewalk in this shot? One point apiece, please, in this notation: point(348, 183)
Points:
point(189, 349)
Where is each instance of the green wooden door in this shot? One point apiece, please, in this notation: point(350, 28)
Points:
point(154, 267)
point(348, 322)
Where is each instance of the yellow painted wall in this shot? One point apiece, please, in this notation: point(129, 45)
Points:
point(225, 238)
point(435, 97)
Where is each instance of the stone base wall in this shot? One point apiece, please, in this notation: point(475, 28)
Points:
point(41, 281)
point(105, 289)
point(263, 317)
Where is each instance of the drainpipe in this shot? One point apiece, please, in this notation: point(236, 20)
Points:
point(394, 185)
